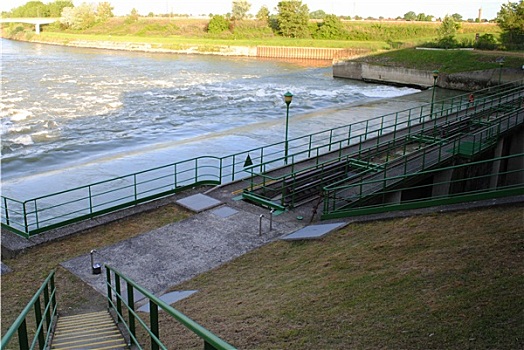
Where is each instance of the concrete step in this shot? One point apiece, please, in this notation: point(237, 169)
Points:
point(95, 330)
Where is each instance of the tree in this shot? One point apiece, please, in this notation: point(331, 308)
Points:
point(55, 8)
point(31, 9)
point(457, 17)
point(447, 31)
point(79, 17)
point(240, 9)
point(331, 28)
point(293, 19)
point(104, 11)
point(218, 24)
point(263, 15)
point(510, 19)
point(318, 14)
point(410, 16)
point(448, 28)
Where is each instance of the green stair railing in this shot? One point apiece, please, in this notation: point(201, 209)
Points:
point(39, 327)
point(32, 216)
point(131, 319)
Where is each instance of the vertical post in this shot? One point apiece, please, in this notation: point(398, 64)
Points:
point(174, 176)
point(48, 306)
point(260, 224)
point(90, 200)
point(118, 295)
point(25, 218)
point(6, 212)
point(38, 322)
point(153, 318)
point(134, 186)
point(435, 76)
point(22, 336)
point(288, 96)
point(108, 284)
point(131, 309)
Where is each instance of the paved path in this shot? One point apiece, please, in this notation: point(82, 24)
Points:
point(167, 256)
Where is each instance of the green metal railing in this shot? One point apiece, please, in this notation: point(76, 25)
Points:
point(118, 302)
point(341, 195)
point(487, 185)
point(32, 216)
point(292, 186)
point(41, 326)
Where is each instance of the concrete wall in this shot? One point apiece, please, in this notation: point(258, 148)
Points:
point(383, 74)
point(467, 81)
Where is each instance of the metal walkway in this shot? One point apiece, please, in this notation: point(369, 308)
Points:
point(88, 331)
point(406, 151)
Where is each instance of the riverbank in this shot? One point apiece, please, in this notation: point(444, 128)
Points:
point(278, 52)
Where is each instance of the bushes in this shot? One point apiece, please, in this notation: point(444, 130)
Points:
point(217, 24)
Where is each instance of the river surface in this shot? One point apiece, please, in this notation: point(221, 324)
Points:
point(73, 116)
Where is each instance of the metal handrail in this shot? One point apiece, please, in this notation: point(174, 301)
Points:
point(43, 213)
point(451, 198)
point(116, 301)
point(44, 321)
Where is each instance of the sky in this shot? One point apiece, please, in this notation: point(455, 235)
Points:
point(363, 8)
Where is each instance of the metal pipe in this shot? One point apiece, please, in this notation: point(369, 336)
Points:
point(260, 224)
point(271, 219)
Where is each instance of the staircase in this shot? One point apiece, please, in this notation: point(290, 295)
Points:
point(95, 330)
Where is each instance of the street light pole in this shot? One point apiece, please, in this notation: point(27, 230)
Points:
point(288, 96)
point(435, 76)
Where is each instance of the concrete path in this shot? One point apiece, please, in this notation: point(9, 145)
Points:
point(167, 256)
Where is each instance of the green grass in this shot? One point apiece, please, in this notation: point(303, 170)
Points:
point(446, 61)
point(440, 281)
point(443, 281)
point(30, 269)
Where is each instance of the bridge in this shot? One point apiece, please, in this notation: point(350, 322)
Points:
point(38, 22)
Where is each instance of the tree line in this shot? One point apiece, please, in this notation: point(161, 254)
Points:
point(292, 19)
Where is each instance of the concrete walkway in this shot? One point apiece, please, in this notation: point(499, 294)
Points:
point(167, 256)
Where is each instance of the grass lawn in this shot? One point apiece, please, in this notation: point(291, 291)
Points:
point(441, 281)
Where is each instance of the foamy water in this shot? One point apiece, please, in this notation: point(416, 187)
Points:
point(74, 116)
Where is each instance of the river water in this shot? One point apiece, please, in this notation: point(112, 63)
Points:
point(73, 116)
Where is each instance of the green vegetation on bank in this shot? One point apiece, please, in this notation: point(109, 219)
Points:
point(446, 61)
point(438, 281)
point(294, 20)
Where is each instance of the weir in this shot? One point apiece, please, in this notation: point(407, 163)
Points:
point(323, 167)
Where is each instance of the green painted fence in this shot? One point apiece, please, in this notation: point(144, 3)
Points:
point(32, 216)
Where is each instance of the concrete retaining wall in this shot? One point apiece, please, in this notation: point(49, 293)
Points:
point(467, 81)
point(383, 74)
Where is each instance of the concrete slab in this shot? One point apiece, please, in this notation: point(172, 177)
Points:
point(5, 269)
point(198, 202)
point(313, 231)
point(167, 256)
point(224, 212)
point(170, 298)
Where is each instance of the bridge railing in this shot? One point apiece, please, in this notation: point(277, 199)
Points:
point(35, 215)
point(475, 187)
point(337, 197)
point(120, 297)
point(263, 186)
point(39, 327)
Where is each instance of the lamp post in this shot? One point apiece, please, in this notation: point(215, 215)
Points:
point(288, 96)
point(435, 77)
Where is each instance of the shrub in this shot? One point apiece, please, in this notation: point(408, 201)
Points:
point(217, 24)
point(486, 42)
